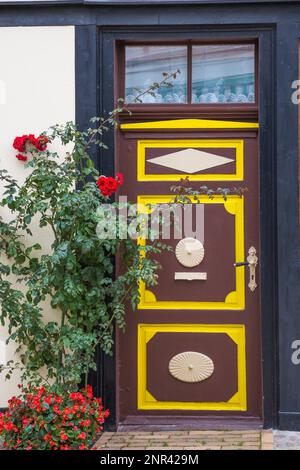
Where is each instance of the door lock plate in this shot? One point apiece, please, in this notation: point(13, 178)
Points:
point(251, 262)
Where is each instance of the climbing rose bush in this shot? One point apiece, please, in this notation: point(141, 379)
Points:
point(40, 419)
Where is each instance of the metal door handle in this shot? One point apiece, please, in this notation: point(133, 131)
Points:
point(252, 261)
point(242, 263)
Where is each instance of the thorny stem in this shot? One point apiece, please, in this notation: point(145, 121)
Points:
point(137, 99)
point(61, 352)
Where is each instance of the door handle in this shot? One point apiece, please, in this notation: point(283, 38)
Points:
point(252, 261)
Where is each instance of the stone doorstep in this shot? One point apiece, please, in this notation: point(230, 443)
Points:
point(119, 439)
point(140, 433)
point(187, 441)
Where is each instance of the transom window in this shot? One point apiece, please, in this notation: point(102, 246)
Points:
point(209, 74)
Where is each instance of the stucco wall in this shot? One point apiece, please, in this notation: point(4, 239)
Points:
point(37, 89)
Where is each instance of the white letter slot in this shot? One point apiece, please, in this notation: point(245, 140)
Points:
point(183, 276)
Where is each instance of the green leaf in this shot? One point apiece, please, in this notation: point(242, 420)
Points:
point(20, 259)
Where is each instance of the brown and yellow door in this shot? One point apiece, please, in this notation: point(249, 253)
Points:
point(193, 345)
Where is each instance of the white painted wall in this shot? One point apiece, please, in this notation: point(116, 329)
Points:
point(37, 90)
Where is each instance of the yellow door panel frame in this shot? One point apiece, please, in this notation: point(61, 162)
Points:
point(190, 124)
point(146, 401)
point(234, 300)
point(238, 145)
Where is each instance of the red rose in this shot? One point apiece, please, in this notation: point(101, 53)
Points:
point(21, 157)
point(107, 185)
point(19, 143)
point(111, 183)
point(105, 192)
point(41, 142)
point(82, 435)
point(31, 138)
point(102, 185)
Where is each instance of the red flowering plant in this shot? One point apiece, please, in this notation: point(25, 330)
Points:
point(109, 185)
point(29, 144)
point(65, 195)
point(40, 419)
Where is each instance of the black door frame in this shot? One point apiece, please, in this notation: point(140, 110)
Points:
point(277, 24)
point(95, 52)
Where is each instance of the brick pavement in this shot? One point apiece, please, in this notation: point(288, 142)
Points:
point(187, 440)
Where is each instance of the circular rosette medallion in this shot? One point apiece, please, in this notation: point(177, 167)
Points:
point(191, 366)
point(189, 252)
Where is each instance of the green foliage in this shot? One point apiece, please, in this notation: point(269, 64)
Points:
point(77, 274)
point(184, 193)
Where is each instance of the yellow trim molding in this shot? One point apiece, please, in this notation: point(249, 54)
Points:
point(146, 401)
point(190, 124)
point(238, 145)
point(234, 300)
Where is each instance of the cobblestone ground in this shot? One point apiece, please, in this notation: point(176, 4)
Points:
point(286, 440)
point(187, 440)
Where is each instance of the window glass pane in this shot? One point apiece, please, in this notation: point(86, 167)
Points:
point(223, 74)
point(146, 64)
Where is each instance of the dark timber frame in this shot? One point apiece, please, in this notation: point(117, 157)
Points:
point(276, 26)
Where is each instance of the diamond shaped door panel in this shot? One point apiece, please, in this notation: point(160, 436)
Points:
point(188, 160)
point(200, 159)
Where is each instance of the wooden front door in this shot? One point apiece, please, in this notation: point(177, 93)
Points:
point(192, 348)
